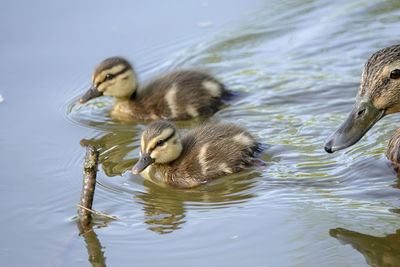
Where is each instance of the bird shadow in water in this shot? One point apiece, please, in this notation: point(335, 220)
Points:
point(165, 207)
point(377, 251)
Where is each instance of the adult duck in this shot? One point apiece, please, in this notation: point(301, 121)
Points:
point(378, 96)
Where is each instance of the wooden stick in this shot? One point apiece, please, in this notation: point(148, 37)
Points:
point(88, 186)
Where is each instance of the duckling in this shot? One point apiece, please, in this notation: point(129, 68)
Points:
point(179, 95)
point(378, 96)
point(204, 153)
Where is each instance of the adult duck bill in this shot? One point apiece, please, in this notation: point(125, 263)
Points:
point(144, 161)
point(91, 93)
point(363, 116)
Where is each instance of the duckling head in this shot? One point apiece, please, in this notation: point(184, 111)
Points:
point(112, 77)
point(378, 95)
point(160, 143)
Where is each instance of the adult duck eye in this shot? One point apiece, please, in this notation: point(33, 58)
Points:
point(395, 74)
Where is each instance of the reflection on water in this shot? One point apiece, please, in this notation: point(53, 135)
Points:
point(165, 207)
point(377, 251)
point(162, 213)
point(94, 248)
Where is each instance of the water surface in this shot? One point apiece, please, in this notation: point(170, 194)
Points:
point(297, 64)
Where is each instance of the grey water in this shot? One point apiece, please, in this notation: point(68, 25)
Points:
point(297, 65)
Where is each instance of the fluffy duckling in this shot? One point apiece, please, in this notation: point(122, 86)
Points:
point(202, 154)
point(180, 95)
point(378, 95)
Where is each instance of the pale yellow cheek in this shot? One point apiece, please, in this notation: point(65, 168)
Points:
point(161, 155)
point(112, 90)
point(168, 152)
point(103, 87)
point(121, 86)
point(156, 154)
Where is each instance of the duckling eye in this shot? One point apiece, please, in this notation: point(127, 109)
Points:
point(160, 142)
point(361, 112)
point(109, 76)
point(395, 74)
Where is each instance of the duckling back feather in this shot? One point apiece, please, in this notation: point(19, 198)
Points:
point(180, 95)
point(211, 151)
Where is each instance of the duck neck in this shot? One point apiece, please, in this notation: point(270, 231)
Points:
point(156, 172)
point(133, 96)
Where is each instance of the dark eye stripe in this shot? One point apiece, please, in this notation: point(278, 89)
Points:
point(113, 75)
point(162, 141)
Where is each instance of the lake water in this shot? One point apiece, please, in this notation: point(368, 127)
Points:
point(297, 65)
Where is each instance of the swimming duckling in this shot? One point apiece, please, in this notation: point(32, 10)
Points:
point(202, 154)
point(378, 95)
point(179, 95)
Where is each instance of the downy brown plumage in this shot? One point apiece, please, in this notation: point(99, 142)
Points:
point(179, 95)
point(202, 154)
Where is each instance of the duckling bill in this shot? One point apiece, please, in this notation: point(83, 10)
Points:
point(90, 94)
point(179, 95)
point(202, 154)
point(378, 96)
